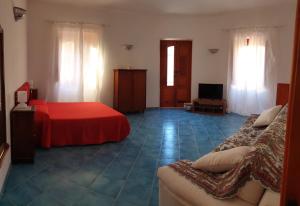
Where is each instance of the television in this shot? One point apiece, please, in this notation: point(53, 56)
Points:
point(210, 91)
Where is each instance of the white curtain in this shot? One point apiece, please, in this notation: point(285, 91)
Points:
point(77, 70)
point(252, 71)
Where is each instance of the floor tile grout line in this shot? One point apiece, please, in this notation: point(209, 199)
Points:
point(126, 179)
point(29, 177)
point(178, 139)
point(87, 187)
point(107, 166)
point(157, 166)
point(49, 166)
point(208, 135)
point(195, 140)
point(90, 189)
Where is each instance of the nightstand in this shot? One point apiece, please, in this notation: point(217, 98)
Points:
point(23, 139)
point(33, 93)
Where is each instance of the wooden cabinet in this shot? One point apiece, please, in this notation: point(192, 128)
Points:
point(22, 135)
point(130, 90)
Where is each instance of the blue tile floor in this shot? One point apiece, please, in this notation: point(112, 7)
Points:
point(117, 173)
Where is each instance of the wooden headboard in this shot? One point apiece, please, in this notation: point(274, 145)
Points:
point(282, 93)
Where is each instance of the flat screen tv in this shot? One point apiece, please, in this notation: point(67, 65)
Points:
point(210, 91)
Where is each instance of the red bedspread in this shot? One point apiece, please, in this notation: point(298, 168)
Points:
point(61, 124)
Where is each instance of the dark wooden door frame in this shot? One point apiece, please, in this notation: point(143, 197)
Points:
point(290, 190)
point(163, 77)
point(3, 143)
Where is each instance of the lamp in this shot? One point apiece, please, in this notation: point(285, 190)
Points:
point(18, 13)
point(22, 99)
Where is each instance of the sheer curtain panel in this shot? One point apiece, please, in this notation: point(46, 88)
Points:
point(77, 63)
point(252, 71)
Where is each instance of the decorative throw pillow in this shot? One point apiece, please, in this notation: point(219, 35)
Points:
point(267, 116)
point(222, 161)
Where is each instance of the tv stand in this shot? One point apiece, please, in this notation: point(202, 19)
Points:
point(212, 106)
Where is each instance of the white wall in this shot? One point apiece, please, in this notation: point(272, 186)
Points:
point(15, 62)
point(145, 31)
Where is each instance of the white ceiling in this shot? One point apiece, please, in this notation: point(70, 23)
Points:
point(176, 6)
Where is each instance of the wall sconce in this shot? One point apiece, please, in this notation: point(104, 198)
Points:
point(18, 13)
point(128, 46)
point(213, 51)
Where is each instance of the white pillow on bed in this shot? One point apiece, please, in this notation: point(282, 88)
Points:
point(222, 161)
point(267, 116)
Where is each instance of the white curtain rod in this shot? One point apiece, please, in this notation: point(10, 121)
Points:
point(77, 22)
point(254, 27)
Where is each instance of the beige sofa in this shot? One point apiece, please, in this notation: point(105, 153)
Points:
point(176, 190)
point(181, 188)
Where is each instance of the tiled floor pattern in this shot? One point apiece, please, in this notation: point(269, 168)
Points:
point(117, 173)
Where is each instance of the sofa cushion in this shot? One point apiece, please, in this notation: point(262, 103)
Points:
point(267, 116)
point(251, 192)
point(190, 193)
point(222, 161)
point(270, 198)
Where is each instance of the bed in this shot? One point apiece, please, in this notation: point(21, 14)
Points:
point(181, 188)
point(78, 123)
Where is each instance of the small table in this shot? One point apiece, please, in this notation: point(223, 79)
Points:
point(23, 138)
point(213, 106)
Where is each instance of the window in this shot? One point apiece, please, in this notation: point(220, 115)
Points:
point(170, 65)
point(252, 70)
point(67, 62)
point(249, 64)
point(79, 63)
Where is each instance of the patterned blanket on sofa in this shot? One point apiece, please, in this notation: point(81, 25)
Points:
point(265, 164)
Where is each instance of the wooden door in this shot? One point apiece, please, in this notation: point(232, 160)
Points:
point(183, 63)
point(175, 72)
